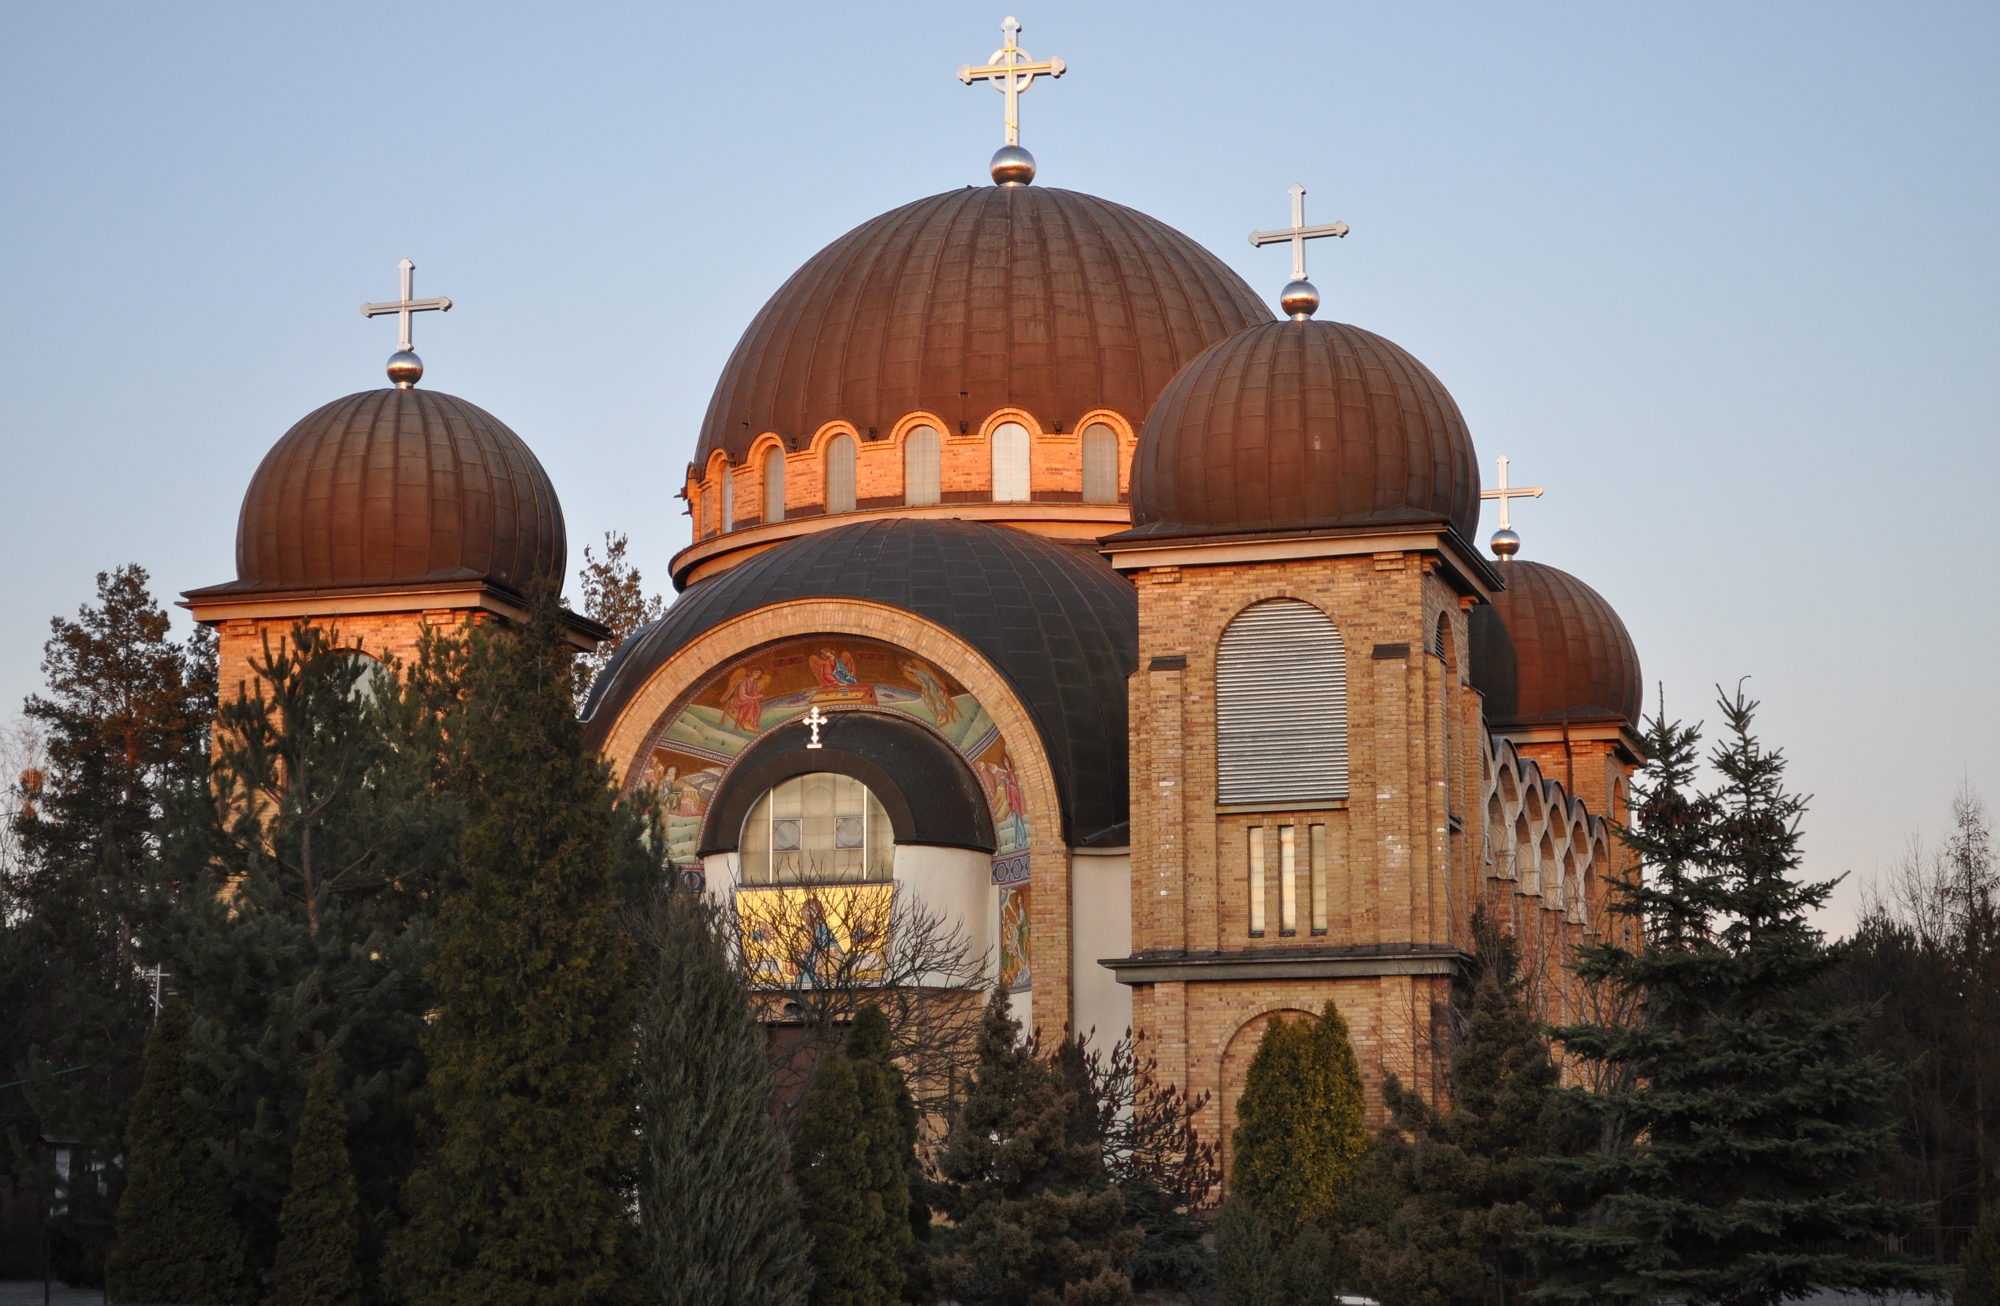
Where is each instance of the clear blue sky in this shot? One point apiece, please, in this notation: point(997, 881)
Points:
point(1720, 276)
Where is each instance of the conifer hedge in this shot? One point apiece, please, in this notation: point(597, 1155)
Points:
point(1299, 1132)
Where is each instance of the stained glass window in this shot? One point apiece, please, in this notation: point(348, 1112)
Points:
point(1010, 463)
point(1100, 464)
point(840, 474)
point(816, 829)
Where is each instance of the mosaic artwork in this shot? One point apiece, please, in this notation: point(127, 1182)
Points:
point(770, 687)
point(828, 934)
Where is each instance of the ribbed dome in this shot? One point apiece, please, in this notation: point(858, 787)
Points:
point(1550, 649)
point(1300, 426)
point(392, 487)
point(1046, 300)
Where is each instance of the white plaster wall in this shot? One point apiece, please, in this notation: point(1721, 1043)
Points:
point(956, 883)
point(1101, 927)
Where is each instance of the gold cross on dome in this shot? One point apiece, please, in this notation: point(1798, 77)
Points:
point(406, 306)
point(815, 719)
point(1298, 233)
point(1503, 494)
point(1012, 71)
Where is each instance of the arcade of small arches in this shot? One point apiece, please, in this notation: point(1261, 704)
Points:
point(921, 461)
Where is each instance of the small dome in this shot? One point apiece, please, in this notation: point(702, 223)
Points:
point(975, 300)
point(392, 487)
point(1301, 425)
point(1550, 650)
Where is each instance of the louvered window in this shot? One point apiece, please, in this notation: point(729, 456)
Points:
point(1281, 707)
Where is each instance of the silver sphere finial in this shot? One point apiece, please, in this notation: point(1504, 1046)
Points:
point(1013, 166)
point(405, 368)
point(1299, 299)
point(1505, 544)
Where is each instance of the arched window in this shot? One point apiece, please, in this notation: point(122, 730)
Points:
point(816, 829)
point(840, 474)
point(921, 480)
point(1100, 464)
point(1010, 463)
point(774, 485)
point(728, 497)
point(1280, 706)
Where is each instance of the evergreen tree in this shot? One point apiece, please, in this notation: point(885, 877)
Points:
point(123, 723)
point(717, 1218)
point(1037, 1218)
point(1979, 1265)
point(319, 1233)
point(1253, 1270)
point(838, 1201)
point(178, 1238)
point(1743, 1131)
point(314, 866)
point(1454, 1194)
point(523, 1192)
point(1299, 1134)
point(889, 1117)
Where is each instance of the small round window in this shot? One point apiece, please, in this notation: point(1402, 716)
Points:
point(816, 829)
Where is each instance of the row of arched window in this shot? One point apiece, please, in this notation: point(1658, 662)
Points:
point(1012, 452)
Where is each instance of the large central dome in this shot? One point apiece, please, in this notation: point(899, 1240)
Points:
point(1046, 300)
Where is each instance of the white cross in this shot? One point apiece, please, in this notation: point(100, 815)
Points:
point(1298, 233)
point(816, 719)
point(1011, 72)
point(406, 306)
point(1503, 494)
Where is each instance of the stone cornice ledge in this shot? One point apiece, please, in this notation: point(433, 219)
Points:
point(1351, 961)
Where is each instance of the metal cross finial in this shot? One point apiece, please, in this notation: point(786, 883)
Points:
point(816, 719)
point(1505, 542)
point(403, 308)
point(1012, 71)
point(1299, 298)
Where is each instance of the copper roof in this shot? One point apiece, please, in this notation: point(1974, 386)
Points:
point(1024, 296)
point(1055, 620)
point(392, 487)
point(1302, 425)
point(1550, 649)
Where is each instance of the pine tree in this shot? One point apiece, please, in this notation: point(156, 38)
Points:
point(123, 722)
point(889, 1116)
point(319, 1233)
point(1979, 1265)
point(1299, 1133)
point(838, 1202)
point(178, 1238)
point(1037, 1218)
point(1454, 1194)
point(313, 868)
point(1743, 1132)
point(523, 1192)
point(717, 1219)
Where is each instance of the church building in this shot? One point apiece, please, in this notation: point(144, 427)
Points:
point(1040, 571)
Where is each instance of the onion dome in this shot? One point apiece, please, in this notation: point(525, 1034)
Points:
point(1298, 426)
point(1550, 650)
point(972, 301)
point(1054, 620)
point(394, 488)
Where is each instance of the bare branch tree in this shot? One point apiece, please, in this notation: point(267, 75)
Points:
point(815, 952)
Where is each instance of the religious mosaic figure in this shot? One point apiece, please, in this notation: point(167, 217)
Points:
point(744, 703)
point(833, 669)
point(943, 710)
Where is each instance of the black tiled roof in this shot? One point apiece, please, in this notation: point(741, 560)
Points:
point(1055, 620)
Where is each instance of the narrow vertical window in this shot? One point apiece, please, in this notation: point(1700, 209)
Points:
point(1010, 463)
point(1256, 881)
point(1288, 882)
point(774, 486)
point(1318, 879)
point(728, 497)
point(920, 467)
point(840, 474)
point(1100, 464)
